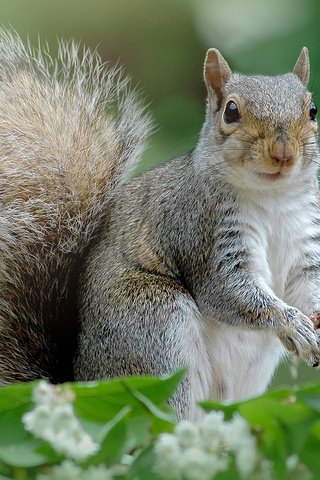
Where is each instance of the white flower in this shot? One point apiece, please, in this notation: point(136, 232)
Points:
point(68, 470)
point(168, 456)
point(168, 445)
point(38, 420)
point(197, 464)
point(213, 423)
point(63, 417)
point(264, 471)
point(81, 445)
point(249, 462)
point(97, 473)
point(241, 441)
point(187, 434)
point(53, 420)
point(237, 432)
point(213, 430)
point(43, 393)
point(198, 451)
point(247, 458)
point(292, 462)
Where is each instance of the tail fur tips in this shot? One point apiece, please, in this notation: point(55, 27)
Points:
point(71, 121)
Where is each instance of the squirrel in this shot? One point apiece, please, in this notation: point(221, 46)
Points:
point(210, 262)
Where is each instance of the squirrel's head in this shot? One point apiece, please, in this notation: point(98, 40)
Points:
point(265, 127)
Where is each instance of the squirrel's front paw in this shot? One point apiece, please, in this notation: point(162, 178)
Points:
point(315, 318)
point(300, 337)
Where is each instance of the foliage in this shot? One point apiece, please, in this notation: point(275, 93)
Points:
point(134, 430)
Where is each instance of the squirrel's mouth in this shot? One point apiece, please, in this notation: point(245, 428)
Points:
point(271, 176)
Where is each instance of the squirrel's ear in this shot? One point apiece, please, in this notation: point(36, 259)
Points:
point(216, 73)
point(302, 66)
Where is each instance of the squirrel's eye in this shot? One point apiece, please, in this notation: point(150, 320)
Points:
point(231, 112)
point(313, 111)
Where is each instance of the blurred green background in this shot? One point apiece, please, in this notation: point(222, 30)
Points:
point(162, 44)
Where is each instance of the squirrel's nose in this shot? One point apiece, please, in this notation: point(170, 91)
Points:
point(281, 159)
point(281, 151)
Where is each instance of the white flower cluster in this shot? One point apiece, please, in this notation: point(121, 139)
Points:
point(53, 420)
point(198, 451)
point(68, 470)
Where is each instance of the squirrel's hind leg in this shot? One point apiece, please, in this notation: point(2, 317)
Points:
point(144, 325)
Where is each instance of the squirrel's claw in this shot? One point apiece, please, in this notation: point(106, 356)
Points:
point(315, 318)
point(300, 338)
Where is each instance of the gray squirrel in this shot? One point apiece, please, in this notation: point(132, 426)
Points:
point(210, 262)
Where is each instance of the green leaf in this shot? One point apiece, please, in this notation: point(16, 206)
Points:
point(138, 431)
point(101, 401)
point(99, 431)
point(15, 400)
point(143, 466)
point(158, 390)
point(51, 455)
point(113, 440)
point(12, 430)
point(298, 432)
point(22, 455)
point(148, 404)
point(16, 395)
point(230, 474)
point(310, 455)
point(310, 399)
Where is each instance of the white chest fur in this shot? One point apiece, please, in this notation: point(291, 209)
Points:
point(276, 229)
point(281, 230)
point(242, 362)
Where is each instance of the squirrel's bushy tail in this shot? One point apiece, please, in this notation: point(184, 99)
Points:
point(71, 132)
